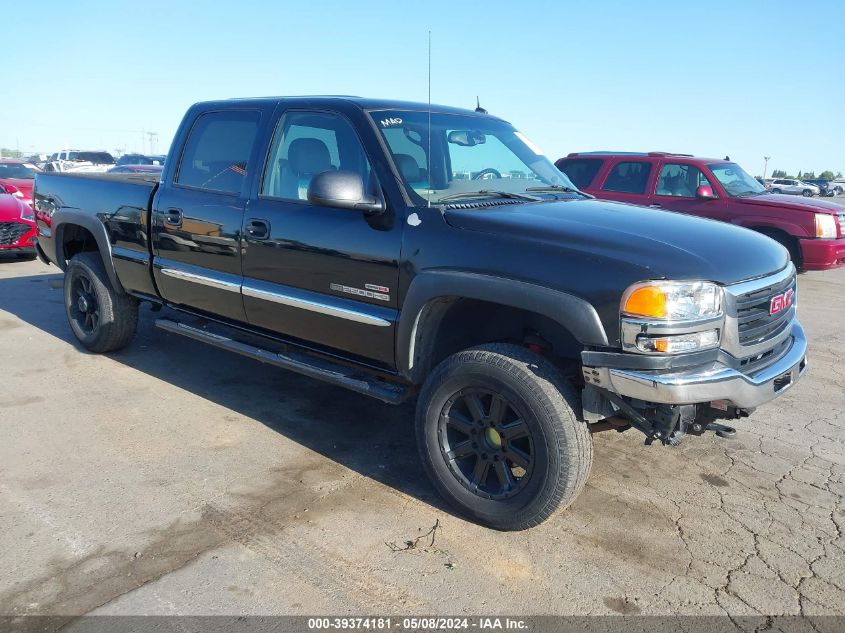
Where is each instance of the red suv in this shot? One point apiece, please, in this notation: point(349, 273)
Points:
point(17, 227)
point(813, 230)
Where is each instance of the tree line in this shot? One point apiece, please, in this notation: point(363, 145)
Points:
point(807, 175)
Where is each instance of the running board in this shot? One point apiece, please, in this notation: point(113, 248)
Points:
point(311, 366)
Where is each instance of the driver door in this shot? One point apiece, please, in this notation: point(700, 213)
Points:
point(324, 275)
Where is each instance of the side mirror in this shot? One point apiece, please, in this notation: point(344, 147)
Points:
point(342, 190)
point(704, 192)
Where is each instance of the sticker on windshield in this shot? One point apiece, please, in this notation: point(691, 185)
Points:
point(529, 143)
point(391, 122)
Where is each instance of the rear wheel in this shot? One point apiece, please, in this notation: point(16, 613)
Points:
point(101, 318)
point(807, 193)
point(775, 191)
point(499, 436)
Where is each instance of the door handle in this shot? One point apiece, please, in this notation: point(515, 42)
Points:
point(258, 229)
point(173, 217)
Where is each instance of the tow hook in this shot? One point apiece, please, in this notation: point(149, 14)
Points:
point(722, 430)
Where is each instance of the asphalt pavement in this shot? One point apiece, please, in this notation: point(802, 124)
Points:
point(174, 478)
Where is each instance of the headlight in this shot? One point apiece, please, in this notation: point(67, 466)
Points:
point(825, 225)
point(673, 300)
point(27, 213)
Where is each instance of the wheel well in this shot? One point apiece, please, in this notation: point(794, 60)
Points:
point(77, 239)
point(450, 324)
point(784, 238)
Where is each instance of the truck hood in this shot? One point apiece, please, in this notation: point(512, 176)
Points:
point(784, 201)
point(663, 244)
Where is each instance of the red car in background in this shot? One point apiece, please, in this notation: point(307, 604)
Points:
point(17, 178)
point(812, 230)
point(17, 227)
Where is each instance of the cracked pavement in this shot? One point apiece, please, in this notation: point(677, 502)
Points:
point(173, 478)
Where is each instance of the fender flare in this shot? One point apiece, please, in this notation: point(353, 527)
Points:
point(578, 316)
point(765, 222)
point(64, 217)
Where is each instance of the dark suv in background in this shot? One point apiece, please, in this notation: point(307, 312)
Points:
point(812, 230)
point(827, 187)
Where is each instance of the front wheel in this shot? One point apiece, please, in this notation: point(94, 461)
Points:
point(101, 318)
point(499, 436)
point(775, 191)
point(807, 193)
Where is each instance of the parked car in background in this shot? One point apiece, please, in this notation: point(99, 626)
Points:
point(140, 159)
point(17, 178)
point(17, 227)
point(73, 160)
point(827, 188)
point(136, 169)
point(794, 187)
point(813, 231)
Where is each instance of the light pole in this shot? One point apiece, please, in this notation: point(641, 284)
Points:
point(765, 165)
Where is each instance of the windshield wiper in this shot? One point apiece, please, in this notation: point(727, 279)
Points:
point(558, 188)
point(484, 193)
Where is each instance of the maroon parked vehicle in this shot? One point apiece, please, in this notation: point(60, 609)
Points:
point(813, 230)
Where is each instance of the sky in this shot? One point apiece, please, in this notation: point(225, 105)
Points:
point(740, 78)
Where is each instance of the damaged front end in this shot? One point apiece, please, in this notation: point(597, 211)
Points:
point(759, 353)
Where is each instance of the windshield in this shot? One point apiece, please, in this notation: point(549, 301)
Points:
point(736, 180)
point(17, 170)
point(466, 154)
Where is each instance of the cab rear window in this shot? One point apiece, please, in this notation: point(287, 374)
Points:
point(581, 171)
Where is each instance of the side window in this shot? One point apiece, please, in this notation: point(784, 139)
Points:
point(216, 156)
point(307, 144)
point(581, 171)
point(628, 177)
point(680, 181)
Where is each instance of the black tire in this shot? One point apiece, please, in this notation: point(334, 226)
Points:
point(775, 191)
point(540, 423)
point(807, 193)
point(102, 319)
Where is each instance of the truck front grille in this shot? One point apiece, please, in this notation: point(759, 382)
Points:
point(755, 322)
point(11, 232)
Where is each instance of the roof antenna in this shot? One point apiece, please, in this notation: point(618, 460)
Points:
point(478, 107)
point(727, 157)
point(428, 156)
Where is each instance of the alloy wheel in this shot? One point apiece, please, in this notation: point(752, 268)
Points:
point(487, 443)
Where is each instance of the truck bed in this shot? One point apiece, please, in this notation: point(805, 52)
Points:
point(114, 208)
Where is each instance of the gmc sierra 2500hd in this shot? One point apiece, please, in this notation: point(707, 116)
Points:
point(402, 250)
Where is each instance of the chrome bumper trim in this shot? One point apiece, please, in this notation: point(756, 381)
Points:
point(713, 382)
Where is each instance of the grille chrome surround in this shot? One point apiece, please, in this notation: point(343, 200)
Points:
point(750, 329)
point(12, 232)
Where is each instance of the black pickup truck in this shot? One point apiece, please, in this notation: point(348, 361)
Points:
point(411, 251)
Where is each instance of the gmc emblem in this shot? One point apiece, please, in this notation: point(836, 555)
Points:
point(782, 301)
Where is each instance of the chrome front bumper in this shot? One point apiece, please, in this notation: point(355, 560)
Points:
point(713, 382)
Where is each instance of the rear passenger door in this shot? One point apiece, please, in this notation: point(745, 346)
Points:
point(324, 275)
point(629, 180)
point(197, 216)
